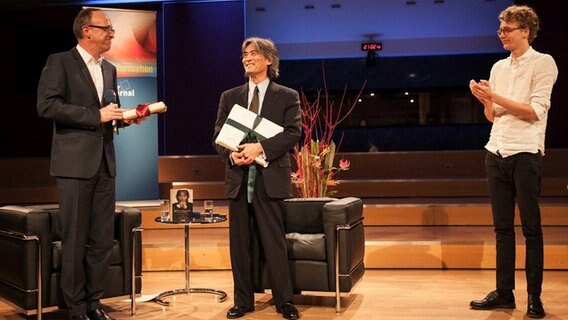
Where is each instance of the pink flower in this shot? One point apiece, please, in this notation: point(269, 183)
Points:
point(344, 164)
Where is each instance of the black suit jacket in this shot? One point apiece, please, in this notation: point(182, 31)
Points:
point(281, 105)
point(67, 96)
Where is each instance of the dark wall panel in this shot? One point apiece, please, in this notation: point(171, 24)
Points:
point(23, 133)
point(201, 59)
point(553, 28)
point(415, 72)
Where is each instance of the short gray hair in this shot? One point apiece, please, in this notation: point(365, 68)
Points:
point(267, 48)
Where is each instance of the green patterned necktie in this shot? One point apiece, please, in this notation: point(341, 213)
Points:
point(254, 104)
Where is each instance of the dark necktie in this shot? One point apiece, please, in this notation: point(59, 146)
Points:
point(255, 102)
point(252, 168)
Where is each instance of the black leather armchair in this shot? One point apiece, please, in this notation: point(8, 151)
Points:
point(326, 245)
point(30, 242)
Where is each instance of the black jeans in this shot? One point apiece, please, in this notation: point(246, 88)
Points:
point(516, 179)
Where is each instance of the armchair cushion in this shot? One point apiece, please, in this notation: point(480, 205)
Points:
point(306, 246)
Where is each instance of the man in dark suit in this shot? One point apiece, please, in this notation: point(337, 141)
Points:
point(70, 93)
point(256, 193)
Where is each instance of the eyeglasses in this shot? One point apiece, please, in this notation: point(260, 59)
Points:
point(506, 30)
point(104, 28)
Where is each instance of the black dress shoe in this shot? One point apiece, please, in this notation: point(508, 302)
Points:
point(81, 317)
point(494, 300)
point(534, 307)
point(288, 311)
point(98, 314)
point(238, 311)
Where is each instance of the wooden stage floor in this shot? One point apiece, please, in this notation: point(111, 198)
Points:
point(382, 294)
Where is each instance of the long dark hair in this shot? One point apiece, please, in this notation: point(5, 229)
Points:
point(180, 192)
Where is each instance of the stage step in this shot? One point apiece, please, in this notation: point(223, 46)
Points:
point(413, 236)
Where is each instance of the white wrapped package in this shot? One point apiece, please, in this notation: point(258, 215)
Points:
point(239, 123)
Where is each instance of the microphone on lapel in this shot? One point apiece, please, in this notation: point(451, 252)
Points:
point(109, 96)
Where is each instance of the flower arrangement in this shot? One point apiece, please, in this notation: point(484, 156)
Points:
point(315, 155)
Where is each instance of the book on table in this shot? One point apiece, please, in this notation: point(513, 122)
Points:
point(182, 204)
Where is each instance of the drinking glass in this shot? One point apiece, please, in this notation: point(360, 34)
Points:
point(164, 210)
point(208, 208)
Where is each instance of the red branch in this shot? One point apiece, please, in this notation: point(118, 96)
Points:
point(315, 157)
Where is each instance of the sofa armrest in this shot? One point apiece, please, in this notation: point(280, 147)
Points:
point(343, 211)
point(128, 219)
point(25, 221)
point(346, 213)
point(17, 225)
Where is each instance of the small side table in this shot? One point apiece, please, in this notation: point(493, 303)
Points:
point(196, 218)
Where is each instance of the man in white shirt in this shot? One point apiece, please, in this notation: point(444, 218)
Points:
point(516, 99)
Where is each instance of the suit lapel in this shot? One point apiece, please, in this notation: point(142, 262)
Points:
point(107, 77)
point(269, 102)
point(243, 96)
point(85, 73)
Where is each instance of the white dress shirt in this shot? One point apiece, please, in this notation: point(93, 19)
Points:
point(527, 79)
point(95, 70)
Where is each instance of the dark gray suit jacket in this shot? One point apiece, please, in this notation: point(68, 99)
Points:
point(67, 96)
point(281, 105)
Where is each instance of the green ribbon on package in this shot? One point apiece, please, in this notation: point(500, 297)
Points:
point(246, 129)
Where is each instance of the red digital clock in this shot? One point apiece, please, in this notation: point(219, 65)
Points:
point(371, 46)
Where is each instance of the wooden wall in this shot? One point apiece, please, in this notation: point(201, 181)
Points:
point(378, 175)
point(443, 174)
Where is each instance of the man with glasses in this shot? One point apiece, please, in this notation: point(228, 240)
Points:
point(72, 91)
point(516, 100)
